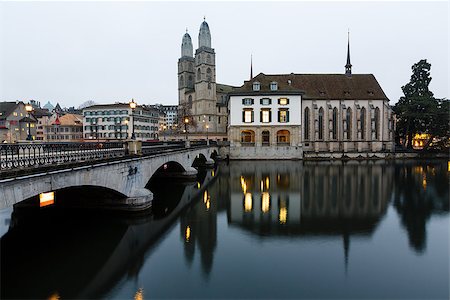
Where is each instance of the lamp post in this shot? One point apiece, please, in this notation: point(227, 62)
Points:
point(133, 107)
point(126, 124)
point(164, 132)
point(29, 109)
point(207, 127)
point(186, 122)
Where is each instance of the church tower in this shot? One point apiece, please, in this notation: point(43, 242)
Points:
point(204, 106)
point(186, 76)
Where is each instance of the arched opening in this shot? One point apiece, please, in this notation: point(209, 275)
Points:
point(321, 123)
point(377, 123)
point(283, 137)
point(167, 170)
point(214, 154)
point(190, 82)
point(248, 138)
point(190, 101)
point(208, 75)
point(349, 123)
point(199, 161)
point(181, 80)
point(306, 123)
point(265, 135)
point(208, 59)
point(363, 123)
point(199, 74)
point(334, 123)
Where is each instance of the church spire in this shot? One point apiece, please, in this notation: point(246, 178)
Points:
point(348, 66)
point(251, 67)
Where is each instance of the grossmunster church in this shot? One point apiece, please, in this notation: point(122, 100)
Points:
point(285, 116)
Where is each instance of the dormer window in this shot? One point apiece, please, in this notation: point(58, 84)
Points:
point(256, 86)
point(273, 86)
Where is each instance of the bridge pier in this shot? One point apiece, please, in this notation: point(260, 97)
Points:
point(140, 199)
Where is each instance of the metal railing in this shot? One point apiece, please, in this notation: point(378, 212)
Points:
point(14, 156)
point(149, 148)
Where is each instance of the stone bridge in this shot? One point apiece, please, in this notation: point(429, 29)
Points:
point(129, 178)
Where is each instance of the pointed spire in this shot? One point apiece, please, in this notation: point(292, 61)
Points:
point(348, 66)
point(251, 66)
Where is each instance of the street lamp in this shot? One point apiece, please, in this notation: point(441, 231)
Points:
point(96, 129)
point(186, 122)
point(133, 107)
point(29, 109)
point(164, 132)
point(126, 124)
point(207, 127)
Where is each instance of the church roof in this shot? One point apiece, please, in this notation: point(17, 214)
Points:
point(319, 86)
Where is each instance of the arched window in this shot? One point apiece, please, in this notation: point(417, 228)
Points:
point(181, 80)
point(334, 123)
point(248, 137)
point(265, 138)
point(363, 123)
point(190, 101)
point(349, 123)
point(377, 123)
point(208, 74)
point(208, 59)
point(321, 123)
point(199, 74)
point(306, 123)
point(283, 137)
point(190, 82)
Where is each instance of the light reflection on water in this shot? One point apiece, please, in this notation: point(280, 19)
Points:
point(266, 230)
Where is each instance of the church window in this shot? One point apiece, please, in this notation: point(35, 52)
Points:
point(321, 123)
point(307, 123)
point(190, 83)
point(334, 123)
point(256, 86)
point(349, 123)
point(199, 74)
point(208, 74)
point(190, 101)
point(208, 59)
point(273, 86)
point(377, 123)
point(363, 123)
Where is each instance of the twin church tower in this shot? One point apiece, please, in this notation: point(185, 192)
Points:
point(200, 98)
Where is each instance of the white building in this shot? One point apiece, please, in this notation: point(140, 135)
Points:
point(118, 121)
point(313, 115)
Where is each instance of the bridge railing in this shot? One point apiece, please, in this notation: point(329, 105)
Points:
point(149, 148)
point(14, 156)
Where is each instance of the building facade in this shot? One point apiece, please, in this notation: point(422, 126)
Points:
point(336, 115)
point(16, 123)
point(67, 128)
point(201, 99)
point(119, 121)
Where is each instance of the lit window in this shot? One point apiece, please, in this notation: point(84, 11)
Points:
point(256, 86)
point(283, 101)
point(273, 86)
point(265, 116)
point(283, 116)
point(248, 116)
point(15, 114)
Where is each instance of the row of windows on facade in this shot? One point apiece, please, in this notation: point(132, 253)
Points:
point(273, 86)
point(64, 129)
point(122, 127)
point(265, 115)
point(121, 119)
point(118, 112)
point(347, 123)
point(283, 137)
point(119, 135)
point(64, 137)
point(189, 82)
point(264, 101)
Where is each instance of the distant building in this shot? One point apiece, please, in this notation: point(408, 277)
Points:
point(48, 106)
point(15, 122)
point(115, 121)
point(66, 128)
point(43, 117)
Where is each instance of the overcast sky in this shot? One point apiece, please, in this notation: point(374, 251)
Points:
point(71, 52)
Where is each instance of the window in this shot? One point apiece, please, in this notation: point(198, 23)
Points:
point(15, 114)
point(248, 136)
point(283, 116)
point(247, 116)
point(363, 123)
point(208, 74)
point(256, 86)
point(265, 101)
point(265, 116)
point(321, 123)
point(334, 123)
point(265, 138)
point(283, 101)
point(247, 101)
point(273, 86)
point(199, 74)
point(307, 123)
point(190, 101)
point(283, 137)
point(377, 123)
point(349, 124)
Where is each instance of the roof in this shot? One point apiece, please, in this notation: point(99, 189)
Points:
point(223, 88)
point(115, 105)
point(39, 112)
point(6, 108)
point(71, 119)
point(319, 86)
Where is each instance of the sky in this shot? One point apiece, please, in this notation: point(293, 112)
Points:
point(72, 52)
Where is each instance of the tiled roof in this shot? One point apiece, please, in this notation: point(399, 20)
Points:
point(6, 108)
point(71, 119)
point(320, 86)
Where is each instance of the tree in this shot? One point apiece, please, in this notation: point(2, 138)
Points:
point(418, 111)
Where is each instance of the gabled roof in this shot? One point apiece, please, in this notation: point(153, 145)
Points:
point(320, 86)
point(6, 108)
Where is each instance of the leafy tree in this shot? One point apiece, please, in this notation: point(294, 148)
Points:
point(418, 111)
